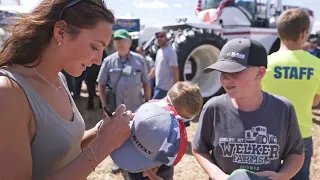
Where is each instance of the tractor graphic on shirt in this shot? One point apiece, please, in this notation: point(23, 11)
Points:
point(258, 134)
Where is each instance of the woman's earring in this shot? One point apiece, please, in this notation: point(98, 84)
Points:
point(59, 43)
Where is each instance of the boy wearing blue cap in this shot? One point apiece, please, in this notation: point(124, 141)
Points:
point(186, 100)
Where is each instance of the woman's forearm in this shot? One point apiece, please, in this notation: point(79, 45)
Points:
point(111, 134)
point(81, 167)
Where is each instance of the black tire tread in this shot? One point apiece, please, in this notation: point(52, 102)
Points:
point(184, 41)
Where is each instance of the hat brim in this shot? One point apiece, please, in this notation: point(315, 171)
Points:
point(243, 174)
point(313, 41)
point(127, 158)
point(120, 37)
point(225, 66)
point(161, 32)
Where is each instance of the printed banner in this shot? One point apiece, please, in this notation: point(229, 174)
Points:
point(131, 25)
point(5, 17)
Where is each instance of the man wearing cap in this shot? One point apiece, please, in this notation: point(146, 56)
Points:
point(165, 70)
point(125, 71)
point(247, 128)
point(314, 50)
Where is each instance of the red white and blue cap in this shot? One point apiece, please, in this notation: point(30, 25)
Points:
point(157, 138)
point(183, 132)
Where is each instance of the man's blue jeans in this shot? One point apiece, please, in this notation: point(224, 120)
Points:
point(304, 172)
point(152, 84)
point(159, 93)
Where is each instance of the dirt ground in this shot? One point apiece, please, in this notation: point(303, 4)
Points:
point(192, 169)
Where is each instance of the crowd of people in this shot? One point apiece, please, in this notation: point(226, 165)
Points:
point(262, 124)
point(312, 45)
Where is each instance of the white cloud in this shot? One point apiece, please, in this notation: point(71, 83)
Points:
point(316, 26)
point(147, 20)
point(177, 5)
point(25, 6)
point(155, 4)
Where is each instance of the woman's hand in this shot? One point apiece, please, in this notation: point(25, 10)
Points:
point(152, 174)
point(114, 131)
point(98, 126)
point(132, 116)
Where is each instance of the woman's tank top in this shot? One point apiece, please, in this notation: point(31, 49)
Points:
point(57, 141)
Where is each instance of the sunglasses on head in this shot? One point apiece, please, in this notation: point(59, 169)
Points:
point(160, 36)
point(74, 2)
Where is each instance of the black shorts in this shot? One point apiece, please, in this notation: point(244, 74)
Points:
point(164, 172)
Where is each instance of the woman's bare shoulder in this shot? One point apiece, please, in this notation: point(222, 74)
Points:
point(9, 88)
point(14, 131)
point(13, 101)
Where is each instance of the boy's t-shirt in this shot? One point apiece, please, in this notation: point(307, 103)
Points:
point(296, 76)
point(256, 140)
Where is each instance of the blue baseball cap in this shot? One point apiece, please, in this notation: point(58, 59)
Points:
point(155, 140)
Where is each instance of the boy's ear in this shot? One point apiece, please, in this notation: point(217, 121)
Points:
point(304, 34)
point(261, 72)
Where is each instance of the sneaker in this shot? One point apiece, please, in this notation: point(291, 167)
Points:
point(115, 169)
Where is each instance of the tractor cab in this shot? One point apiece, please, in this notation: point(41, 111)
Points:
point(243, 13)
point(248, 13)
point(248, 5)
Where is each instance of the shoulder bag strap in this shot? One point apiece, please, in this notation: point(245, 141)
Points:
point(115, 86)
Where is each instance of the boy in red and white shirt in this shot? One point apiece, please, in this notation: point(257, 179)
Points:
point(184, 100)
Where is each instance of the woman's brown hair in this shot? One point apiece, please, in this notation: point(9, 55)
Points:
point(31, 33)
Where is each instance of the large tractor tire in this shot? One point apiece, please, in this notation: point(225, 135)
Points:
point(275, 47)
point(196, 49)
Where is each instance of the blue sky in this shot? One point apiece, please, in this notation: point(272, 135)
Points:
point(165, 11)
